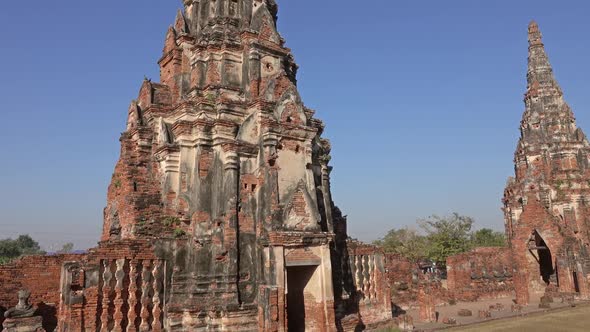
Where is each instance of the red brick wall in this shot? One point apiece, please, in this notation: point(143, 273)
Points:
point(399, 269)
point(41, 276)
point(400, 275)
point(38, 274)
point(375, 306)
point(80, 316)
point(482, 273)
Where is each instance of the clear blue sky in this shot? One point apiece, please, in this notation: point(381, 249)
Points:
point(422, 101)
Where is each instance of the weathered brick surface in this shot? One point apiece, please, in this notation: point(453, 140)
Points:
point(483, 273)
point(368, 268)
point(41, 276)
point(403, 277)
point(546, 203)
point(222, 188)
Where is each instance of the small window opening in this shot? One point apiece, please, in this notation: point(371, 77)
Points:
point(253, 188)
point(289, 119)
point(135, 186)
point(297, 149)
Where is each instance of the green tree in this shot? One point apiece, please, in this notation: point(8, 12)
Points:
point(486, 237)
point(447, 236)
point(28, 246)
point(9, 248)
point(23, 245)
point(405, 242)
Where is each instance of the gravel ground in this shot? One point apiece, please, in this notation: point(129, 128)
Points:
point(563, 320)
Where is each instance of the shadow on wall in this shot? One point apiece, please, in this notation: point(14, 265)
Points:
point(49, 314)
point(396, 311)
point(2, 311)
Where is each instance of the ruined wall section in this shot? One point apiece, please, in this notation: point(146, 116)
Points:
point(367, 264)
point(480, 274)
point(403, 277)
point(118, 285)
point(134, 199)
point(41, 276)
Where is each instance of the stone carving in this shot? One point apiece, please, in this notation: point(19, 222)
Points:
point(23, 309)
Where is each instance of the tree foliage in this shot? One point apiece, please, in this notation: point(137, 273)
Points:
point(405, 242)
point(486, 237)
point(440, 238)
point(447, 236)
point(22, 246)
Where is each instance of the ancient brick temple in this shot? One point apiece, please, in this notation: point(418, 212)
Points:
point(219, 214)
point(547, 204)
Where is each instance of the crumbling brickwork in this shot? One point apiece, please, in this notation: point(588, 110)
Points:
point(369, 276)
point(219, 215)
point(41, 276)
point(406, 279)
point(546, 204)
point(480, 274)
point(403, 277)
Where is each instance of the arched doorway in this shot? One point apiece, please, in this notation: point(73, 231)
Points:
point(539, 249)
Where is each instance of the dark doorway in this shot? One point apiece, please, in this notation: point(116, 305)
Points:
point(546, 268)
point(576, 284)
point(297, 279)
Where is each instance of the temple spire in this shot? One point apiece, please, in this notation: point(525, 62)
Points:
point(540, 76)
point(548, 118)
point(535, 36)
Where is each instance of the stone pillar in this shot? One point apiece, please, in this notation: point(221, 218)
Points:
point(106, 292)
point(358, 273)
point(328, 287)
point(157, 300)
point(582, 281)
point(366, 277)
point(270, 141)
point(254, 73)
point(566, 277)
point(521, 287)
point(132, 300)
point(281, 282)
point(326, 170)
point(118, 315)
point(520, 270)
point(231, 232)
point(199, 74)
point(426, 301)
point(146, 276)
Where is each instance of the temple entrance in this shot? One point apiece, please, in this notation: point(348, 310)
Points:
point(543, 257)
point(298, 278)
